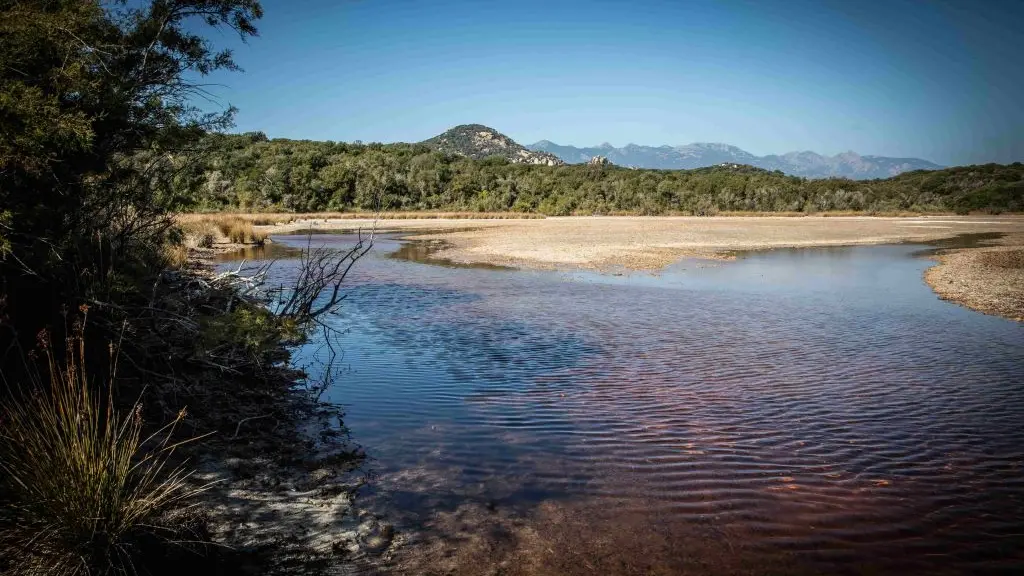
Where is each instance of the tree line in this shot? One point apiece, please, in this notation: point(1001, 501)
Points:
point(250, 172)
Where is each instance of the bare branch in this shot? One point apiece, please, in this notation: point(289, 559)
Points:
point(316, 289)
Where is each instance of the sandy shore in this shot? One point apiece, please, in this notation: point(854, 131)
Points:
point(988, 279)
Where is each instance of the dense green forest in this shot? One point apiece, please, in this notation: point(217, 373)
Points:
point(251, 173)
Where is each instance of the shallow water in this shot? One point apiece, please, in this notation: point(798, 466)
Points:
point(819, 407)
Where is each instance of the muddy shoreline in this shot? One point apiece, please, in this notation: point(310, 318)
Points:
point(281, 497)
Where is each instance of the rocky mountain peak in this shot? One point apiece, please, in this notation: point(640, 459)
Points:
point(478, 141)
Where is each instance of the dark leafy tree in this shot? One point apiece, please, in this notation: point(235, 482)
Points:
point(94, 104)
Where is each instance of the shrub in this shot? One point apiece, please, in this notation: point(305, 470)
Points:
point(705, 206)
point(81, 487)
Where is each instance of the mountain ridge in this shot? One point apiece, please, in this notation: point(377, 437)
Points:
point(806, 163)
point(478, 142)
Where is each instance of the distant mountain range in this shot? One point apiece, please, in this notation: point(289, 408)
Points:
point(479, 141)
point(697, 155)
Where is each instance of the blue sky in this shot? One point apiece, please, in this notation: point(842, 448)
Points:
point(938, 80)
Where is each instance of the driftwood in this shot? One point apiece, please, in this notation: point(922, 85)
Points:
point(321, 272)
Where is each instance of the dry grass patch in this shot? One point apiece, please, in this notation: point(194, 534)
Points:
point(176, 256)
point(241, 231)
point(81, 485)
point(199, 233)
point(203, 230)
point(275, 218)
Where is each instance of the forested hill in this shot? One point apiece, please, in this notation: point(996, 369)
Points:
point(249, 172)
point(478, 142)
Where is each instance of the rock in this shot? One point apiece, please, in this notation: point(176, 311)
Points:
point(478, 142)
point(376, 536)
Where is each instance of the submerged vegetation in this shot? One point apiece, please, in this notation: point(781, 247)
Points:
point(249, 172)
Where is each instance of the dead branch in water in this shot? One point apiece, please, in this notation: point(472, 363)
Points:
point(321, 272)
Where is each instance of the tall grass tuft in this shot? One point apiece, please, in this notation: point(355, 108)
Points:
point(199, 233)
point(240, 231)
point(203, 230)
point(175, 255)
point(81, 487)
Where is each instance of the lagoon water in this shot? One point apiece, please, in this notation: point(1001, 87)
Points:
point(811, 411)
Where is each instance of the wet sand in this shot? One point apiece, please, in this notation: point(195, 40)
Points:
point(988, 279)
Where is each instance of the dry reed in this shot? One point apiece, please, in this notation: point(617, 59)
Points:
point(273, 218)
point(80, 483)
point(241, 231)
point(202, 230)
point(176, 255)
point(199, 233)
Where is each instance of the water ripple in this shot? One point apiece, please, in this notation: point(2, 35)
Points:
point(839, 413)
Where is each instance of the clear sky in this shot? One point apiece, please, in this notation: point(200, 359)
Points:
point(940, 80)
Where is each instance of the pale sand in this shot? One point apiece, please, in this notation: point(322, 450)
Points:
point(649, 243)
